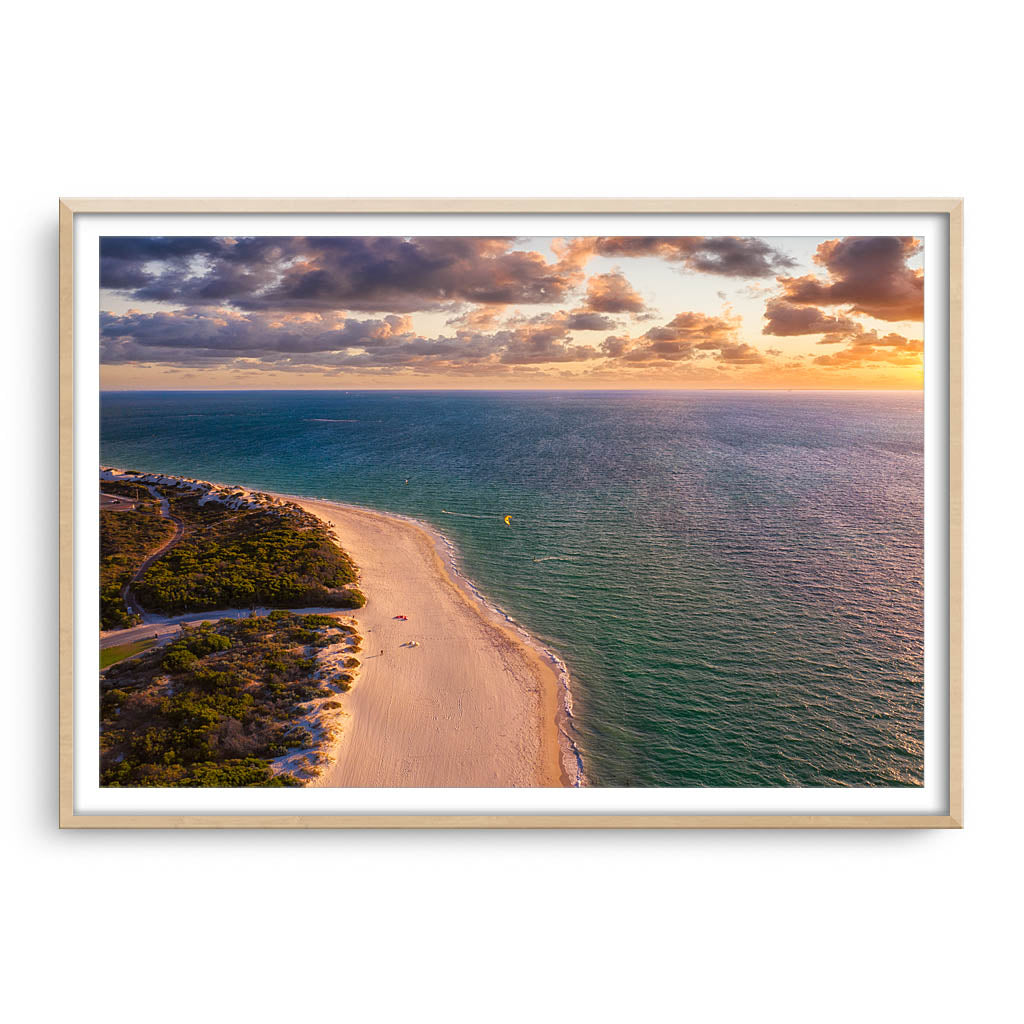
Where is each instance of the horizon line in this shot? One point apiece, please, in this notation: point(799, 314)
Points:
point(518, 390)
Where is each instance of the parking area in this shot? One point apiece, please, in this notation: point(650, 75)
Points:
point(115, 503)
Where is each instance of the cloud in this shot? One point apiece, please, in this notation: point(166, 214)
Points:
point(540, 348)
point(370, 274)
point(352, 304)
point(583, 318)
point(786, 320)
point(485, 318)
point(478, 318)
point(223, 332)
point(383, 274)
point(612, 293)
point(725, 255)
point(868, 348)
point(326, 341)
point(740, 354)
point(687, 336)
point(332, 342)
point(866, 275)
point(615, 345)
point(547, 338)
point(586, 320)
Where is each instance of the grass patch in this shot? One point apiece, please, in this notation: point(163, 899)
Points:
point(112, 655)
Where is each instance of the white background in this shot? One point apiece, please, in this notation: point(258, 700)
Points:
point(525, 99)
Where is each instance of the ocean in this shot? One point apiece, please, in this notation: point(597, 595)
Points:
point(734, 579)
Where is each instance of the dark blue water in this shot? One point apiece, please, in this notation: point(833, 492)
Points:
point(735, 579)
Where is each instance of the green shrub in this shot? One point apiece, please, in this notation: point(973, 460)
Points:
point(179, 659)
point(126, 539)
point(224, 714)
point(206, 641)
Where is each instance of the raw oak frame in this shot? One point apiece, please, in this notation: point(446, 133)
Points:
point(951, 207)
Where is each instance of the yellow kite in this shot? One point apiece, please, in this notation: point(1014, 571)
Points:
point(508, 520)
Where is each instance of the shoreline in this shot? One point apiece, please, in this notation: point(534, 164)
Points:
point(482, 702)
point(479, 722)
point(553, 672)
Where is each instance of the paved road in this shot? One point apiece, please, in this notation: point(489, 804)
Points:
point(163, 631)
point(168, 628)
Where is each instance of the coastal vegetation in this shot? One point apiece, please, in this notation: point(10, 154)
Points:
point(274, 555)
point(236, 550)
point(241, 702)
point(233, 702)
point(127, 537)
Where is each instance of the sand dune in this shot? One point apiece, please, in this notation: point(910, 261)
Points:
point(472, 705)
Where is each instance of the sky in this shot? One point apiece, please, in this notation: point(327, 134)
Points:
point(487, 312)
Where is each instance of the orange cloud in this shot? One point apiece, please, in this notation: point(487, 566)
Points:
point(479, 318)
point(612, 293)
point(868, 348)
point(786, 320)
point(687, 336)
point(865, 275)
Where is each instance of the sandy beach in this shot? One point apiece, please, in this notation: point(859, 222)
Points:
point(471, 705)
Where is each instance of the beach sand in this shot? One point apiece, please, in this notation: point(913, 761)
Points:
point(472, 705)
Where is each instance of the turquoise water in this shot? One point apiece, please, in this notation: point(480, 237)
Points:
point(734, 579)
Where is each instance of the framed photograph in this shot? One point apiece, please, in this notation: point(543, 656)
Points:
point(510, 513)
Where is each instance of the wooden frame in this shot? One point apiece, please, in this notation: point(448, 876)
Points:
point(951, 208)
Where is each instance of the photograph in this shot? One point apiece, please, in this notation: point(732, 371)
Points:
point(511, 511)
